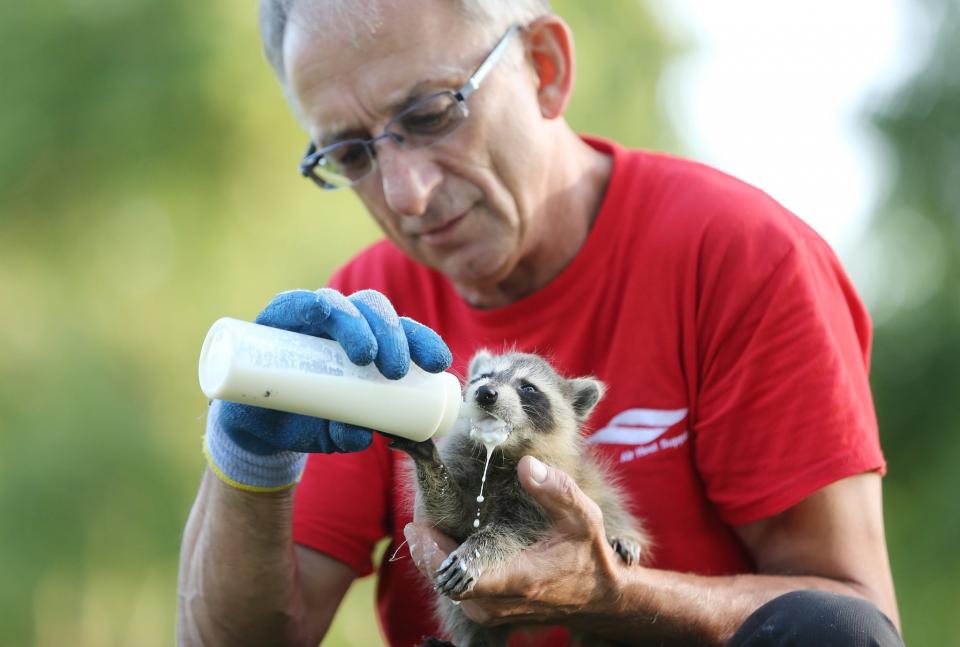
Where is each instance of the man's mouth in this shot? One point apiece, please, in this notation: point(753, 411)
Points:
point(441, 232)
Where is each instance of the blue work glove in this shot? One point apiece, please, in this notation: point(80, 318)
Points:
point(263, 450)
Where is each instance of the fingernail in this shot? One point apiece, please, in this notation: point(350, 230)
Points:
point(538, 471)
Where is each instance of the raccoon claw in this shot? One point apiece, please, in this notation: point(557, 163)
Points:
point(447, 563)
point(628, 550)
point(456, 586)
point(453, 577)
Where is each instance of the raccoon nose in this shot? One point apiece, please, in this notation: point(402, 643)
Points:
point(486, 395)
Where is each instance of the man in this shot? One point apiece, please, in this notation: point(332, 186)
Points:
point(739, 413)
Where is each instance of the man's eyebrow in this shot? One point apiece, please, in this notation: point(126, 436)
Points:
point(341, 135)
point(420, 90)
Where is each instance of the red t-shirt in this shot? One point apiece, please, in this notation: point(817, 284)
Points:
point(733, 345)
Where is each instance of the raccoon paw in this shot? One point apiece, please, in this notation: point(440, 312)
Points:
point(457, 574)
point(422, 450)
point(628, 549)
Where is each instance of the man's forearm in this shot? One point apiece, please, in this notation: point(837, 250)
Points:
point(685, 609)
point(237, 581)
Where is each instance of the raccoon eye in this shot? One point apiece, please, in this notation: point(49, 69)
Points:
point(529, 388)
point(482, 376)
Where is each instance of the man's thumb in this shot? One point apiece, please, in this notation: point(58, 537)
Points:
point(559, 495)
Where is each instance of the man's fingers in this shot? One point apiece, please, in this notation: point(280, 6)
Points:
point(324, 313)
point(365, 324)
point(230, 415)
point(427, 348)
point(393, 355)
point(347, 326)
point(296, 310)
point(350, 438)
point(572, 511)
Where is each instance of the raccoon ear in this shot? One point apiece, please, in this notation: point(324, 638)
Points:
point(585, 393)
point(481, 363)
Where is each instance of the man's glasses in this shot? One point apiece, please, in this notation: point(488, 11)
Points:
point(423, 123)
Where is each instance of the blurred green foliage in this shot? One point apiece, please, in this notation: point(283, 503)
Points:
point(148, 186)
point(914, 250)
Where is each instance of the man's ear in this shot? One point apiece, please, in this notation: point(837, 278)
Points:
point(481, 363)
point(585, 393)
point(550, 48)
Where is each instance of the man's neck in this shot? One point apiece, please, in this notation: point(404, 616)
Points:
point(559, 228)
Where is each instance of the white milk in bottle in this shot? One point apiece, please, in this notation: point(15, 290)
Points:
point(277, 369)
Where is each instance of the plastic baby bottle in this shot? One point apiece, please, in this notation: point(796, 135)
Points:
point(277, 369)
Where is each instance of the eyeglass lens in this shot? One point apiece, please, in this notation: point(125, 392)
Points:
point(423, 123)
point(428, 120)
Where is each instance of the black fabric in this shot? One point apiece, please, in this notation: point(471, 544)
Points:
point(436, 642)
point(816, 619)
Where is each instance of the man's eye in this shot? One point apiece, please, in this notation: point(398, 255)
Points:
point(426, 123)
point(350, 157)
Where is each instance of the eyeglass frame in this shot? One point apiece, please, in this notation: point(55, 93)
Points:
point(313, 156)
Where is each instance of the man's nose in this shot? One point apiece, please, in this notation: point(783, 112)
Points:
point(410, 178)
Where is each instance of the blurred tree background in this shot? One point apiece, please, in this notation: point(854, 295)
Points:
point(913, 250)
point(148, 186)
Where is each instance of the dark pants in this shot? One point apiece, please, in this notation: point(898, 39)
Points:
point(816, 619)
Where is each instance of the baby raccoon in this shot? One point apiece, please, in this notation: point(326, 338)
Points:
point(541, 413)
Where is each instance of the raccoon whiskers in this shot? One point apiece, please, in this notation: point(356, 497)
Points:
point(393, 557)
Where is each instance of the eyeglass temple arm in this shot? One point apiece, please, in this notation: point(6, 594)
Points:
point(474, 81)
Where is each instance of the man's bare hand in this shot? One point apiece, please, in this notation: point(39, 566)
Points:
point(572, 571)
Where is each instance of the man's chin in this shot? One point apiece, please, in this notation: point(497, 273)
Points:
point(468, 265)
point(474, 269)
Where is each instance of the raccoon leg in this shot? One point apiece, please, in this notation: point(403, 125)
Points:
point(439, 494)
point(423, 450)
point(485, 549)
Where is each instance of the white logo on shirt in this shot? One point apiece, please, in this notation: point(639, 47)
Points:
point(642, 428)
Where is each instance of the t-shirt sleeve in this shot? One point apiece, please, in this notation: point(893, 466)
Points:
point(784, 405)
point(341, 506)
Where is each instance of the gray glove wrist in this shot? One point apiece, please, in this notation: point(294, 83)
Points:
point(246, 470)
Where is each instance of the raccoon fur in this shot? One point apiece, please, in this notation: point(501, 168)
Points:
point(543, 412)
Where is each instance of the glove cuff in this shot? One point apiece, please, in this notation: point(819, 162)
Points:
point(245, 470)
